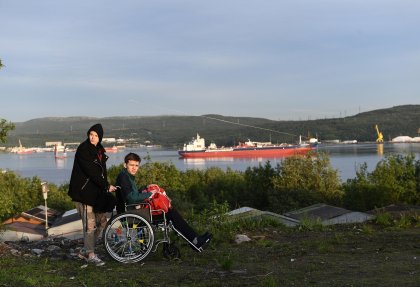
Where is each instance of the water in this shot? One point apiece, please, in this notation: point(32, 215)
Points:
point(345, 158)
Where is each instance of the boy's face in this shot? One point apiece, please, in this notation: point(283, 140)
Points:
point(132, 166)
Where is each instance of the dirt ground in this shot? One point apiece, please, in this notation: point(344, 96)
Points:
point(346, 256)
point(349, 255)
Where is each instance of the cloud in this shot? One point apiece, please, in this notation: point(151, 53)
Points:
point(275, 59)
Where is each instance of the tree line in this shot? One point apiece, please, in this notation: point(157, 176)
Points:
point(297, 182)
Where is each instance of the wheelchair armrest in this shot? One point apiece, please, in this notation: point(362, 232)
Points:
point(138, 205)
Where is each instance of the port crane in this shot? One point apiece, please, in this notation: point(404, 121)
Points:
point(380, 138)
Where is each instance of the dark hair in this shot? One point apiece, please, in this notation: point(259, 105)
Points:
point(132, 156)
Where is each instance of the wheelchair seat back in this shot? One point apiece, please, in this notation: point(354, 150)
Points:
point(143, 211)
point(120, 201)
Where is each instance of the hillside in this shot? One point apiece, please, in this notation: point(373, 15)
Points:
point(174, 131)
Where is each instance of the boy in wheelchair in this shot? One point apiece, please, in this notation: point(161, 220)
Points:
point(130, 194)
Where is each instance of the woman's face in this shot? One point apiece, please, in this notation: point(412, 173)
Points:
point(132, 167)
point(93, 138)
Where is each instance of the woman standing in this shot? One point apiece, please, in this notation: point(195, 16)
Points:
point(88, 180)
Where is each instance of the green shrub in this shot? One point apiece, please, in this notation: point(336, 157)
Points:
point(18, 194)
point(396, 179)
point(384, 219)
point(305, 180)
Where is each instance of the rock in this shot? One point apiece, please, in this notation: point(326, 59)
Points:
point(53, 248)
point(239, 238)
point(24, 239)
point(37, 251)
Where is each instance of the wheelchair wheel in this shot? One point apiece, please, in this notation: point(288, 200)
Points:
point(170, 251)
point(128, 238)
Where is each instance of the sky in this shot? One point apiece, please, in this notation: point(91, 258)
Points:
point(275, 59)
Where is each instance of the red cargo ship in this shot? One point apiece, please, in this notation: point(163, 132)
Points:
point(197, 149)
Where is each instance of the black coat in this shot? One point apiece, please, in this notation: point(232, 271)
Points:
point(89, 174)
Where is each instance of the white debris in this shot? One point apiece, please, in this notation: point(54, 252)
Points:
point(239, 238)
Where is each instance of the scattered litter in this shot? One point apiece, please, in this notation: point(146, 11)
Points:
point(239, 238)
point(37, 251)
point(15, 252)
point(83, 266)
point(81, 256)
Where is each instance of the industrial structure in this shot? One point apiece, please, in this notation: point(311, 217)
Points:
point(380, 138)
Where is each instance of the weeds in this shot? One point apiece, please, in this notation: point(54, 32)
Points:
point(310, 224)
point(416, 218)
point(384, 219)
point(403, 221)
point(269, 282)
point(224, 227)
point(266, 243)
point(226, 262)
point(367, 229)
point(338, 237)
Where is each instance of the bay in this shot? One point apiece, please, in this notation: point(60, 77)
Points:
point(345, 158)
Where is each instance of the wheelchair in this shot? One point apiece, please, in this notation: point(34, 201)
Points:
point(129, 237)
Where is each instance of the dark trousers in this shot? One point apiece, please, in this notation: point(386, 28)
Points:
point(180, 224)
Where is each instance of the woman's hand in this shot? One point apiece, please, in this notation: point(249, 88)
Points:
point(112, 188)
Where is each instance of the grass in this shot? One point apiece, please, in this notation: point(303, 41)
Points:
point(344, 255)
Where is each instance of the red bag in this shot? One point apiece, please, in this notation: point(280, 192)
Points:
point(159, 201)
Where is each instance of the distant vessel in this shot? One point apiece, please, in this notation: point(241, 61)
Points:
point(111, 149)
point(197, 149)
point(60, 152)
point(22, 150)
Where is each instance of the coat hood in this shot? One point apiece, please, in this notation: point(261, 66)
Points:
point(98, 129)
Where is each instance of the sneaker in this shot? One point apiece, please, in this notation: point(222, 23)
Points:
point(95, 260)
point(202, 240)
